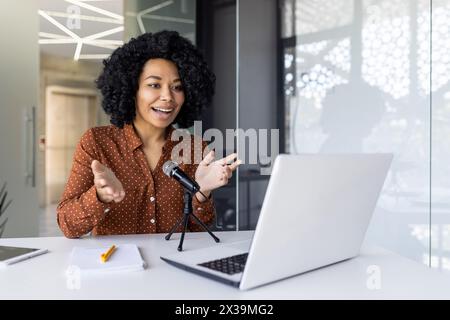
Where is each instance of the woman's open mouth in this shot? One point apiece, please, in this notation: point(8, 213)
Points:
point(162, 110)
point(162, 113)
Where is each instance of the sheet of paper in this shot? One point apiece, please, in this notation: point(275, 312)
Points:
point(126, 257)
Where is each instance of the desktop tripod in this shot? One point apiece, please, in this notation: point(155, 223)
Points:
point(187, 212)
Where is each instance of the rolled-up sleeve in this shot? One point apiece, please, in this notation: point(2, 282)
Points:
point(80, 210)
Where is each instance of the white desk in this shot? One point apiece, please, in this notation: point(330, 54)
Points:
point(44, 277)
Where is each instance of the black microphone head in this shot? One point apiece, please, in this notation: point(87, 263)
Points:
point(168, 166)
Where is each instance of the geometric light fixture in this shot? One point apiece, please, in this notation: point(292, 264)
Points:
point(100, 17)
point(148, 13)
point(70, 36)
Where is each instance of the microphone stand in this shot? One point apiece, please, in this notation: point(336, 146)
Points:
point(187, 212)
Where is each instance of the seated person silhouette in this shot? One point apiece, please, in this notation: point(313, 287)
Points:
point(349, 115)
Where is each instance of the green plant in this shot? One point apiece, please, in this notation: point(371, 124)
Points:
point(3, 206)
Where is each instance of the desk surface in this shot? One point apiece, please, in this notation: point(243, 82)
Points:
point(44, 277)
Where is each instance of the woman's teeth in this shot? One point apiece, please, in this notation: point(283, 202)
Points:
point(162, 110)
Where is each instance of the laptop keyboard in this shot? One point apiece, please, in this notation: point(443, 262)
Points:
point(228, 265)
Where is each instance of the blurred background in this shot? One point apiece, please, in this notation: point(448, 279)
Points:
point(342, 76)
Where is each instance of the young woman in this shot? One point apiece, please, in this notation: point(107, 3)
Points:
point(117, 185)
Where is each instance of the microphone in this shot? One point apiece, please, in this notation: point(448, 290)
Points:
point(172, 170)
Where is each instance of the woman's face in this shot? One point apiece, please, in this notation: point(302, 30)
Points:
point(160, 94)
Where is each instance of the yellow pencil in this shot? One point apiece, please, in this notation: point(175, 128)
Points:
point(105, 256)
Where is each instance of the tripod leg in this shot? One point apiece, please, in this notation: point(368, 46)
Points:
point(205, 227)
point(185, 220)
point(175, 227)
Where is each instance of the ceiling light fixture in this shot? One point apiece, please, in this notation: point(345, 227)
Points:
point(96, 9)
point(70, 37)
point(82, 17)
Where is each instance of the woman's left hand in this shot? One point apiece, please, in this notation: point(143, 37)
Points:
point(212, 174)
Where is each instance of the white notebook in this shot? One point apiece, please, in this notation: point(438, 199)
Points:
point(126, 257)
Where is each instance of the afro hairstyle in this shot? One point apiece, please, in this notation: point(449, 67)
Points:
point(119, 80)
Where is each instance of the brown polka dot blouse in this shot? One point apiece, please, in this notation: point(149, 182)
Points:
point(153, 201)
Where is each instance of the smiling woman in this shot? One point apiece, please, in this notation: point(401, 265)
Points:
point(117, 185)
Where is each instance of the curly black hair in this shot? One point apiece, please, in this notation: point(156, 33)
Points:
point(119, 80)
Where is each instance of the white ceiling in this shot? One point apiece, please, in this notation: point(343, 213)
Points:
point(81, 29)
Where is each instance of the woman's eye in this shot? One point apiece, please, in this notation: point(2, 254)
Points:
point(154, 85)
point(178, 88)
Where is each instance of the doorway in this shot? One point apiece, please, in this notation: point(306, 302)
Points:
point(69, 113)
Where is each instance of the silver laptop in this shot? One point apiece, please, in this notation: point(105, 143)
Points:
point(315, 213)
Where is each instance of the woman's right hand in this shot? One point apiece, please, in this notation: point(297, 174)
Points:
point(108, 187)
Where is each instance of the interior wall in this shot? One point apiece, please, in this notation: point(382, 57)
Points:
point(370, 77)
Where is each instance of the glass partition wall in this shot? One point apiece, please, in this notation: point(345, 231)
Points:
point(439, 85)
point(372, 76)
point(242, 53)
point(344, 76)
